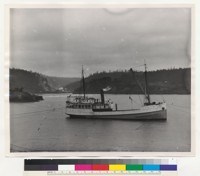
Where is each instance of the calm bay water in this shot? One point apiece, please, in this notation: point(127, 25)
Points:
point(43, 126)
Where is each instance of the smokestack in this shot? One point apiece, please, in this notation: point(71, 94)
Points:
point(102, 96)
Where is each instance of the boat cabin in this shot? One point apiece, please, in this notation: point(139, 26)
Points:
point(79, 102)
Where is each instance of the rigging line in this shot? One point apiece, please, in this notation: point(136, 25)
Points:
point(182, 109)
point(134, 101)
point(32, 112)
point(178, 105)
point(38, 111)
point(140, 86)
point(33, 105)
point(140, 99)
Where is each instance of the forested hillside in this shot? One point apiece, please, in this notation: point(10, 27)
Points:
point(37, 83)
point(29, 81)
point(171, 81)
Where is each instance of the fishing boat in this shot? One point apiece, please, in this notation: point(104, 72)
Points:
point(83, 106)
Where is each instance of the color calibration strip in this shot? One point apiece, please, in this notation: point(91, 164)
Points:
point(116, 167)
point(98, 165)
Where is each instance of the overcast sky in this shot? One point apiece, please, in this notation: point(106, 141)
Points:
point(57, 42)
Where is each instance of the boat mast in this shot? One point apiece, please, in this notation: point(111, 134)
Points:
point(83, 82)
point(146, 84)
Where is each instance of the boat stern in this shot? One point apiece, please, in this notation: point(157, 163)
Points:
point(163, 114)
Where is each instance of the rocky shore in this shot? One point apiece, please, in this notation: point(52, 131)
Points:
point(18, 95)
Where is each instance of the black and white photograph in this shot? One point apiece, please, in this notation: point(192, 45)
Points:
point(103, 79)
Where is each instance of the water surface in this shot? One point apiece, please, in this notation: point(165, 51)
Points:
point(43, 126)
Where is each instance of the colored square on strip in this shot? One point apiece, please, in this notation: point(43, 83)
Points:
point(168, 167)
point(49, 167)
point(117, 167)
point(68, 167)
point(83, 167)
point(100, 167)
point(134, 167)
point(151, 167)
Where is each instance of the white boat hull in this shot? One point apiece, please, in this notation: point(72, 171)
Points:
point(150, 112)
